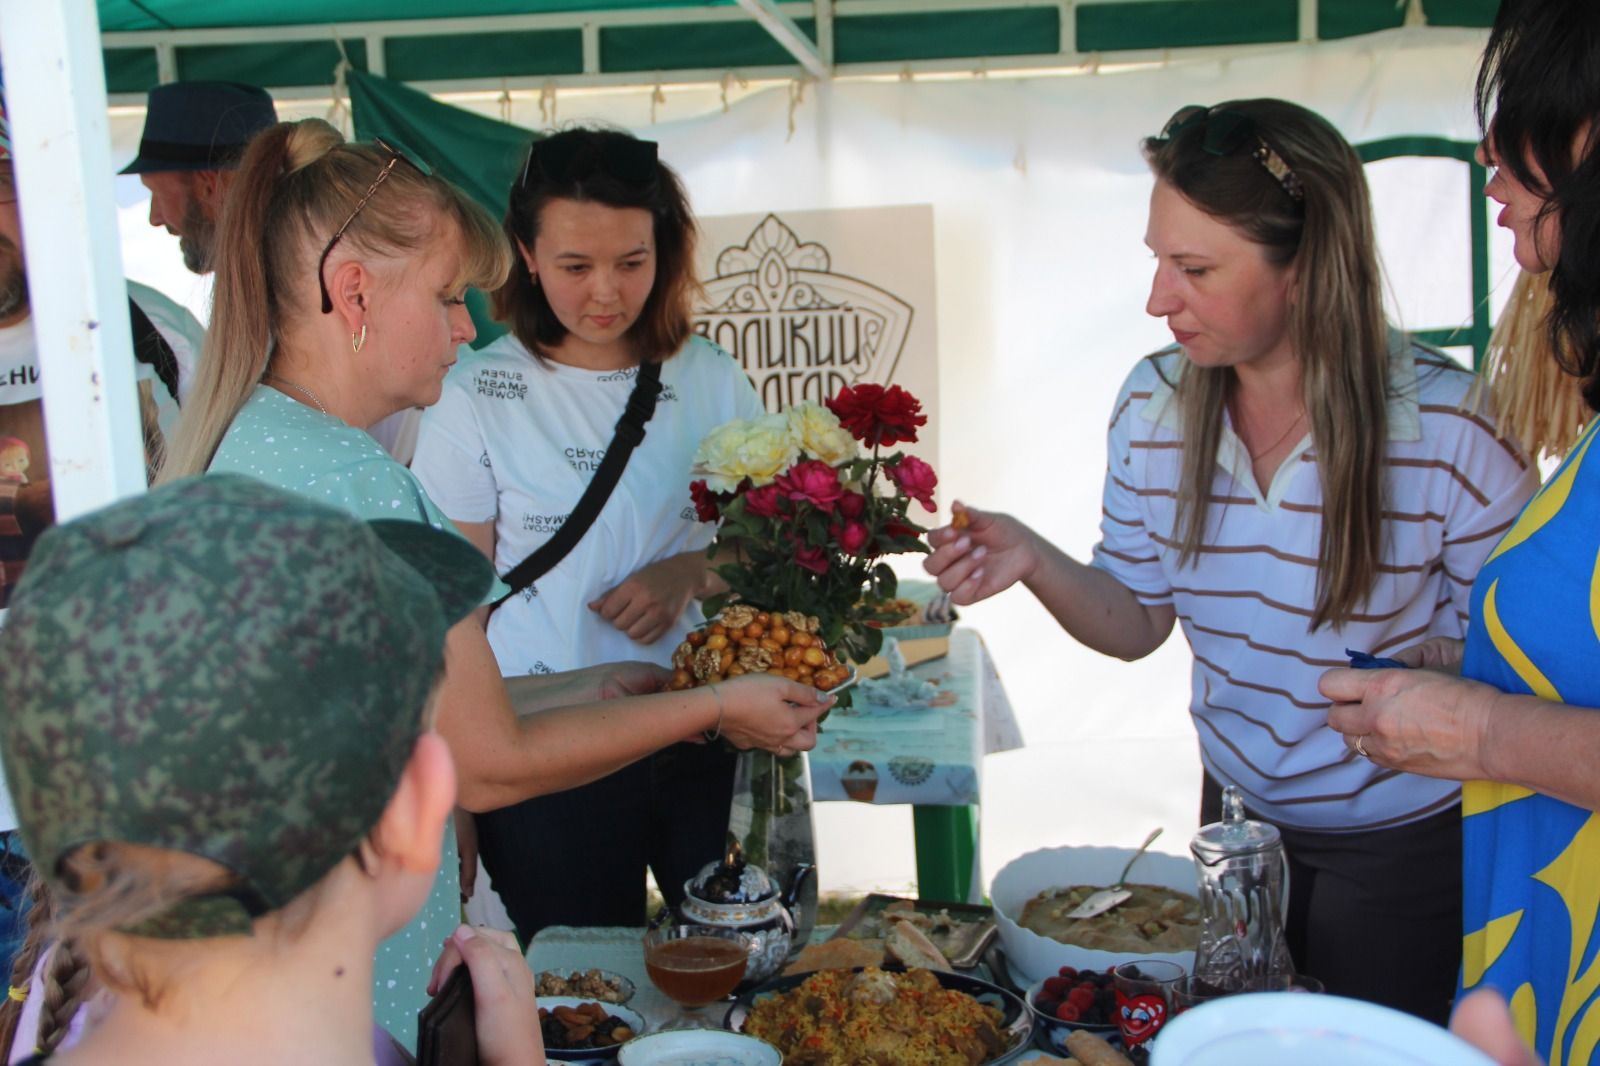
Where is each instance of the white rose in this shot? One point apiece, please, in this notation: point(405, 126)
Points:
point(817, 432)
point(759, 449)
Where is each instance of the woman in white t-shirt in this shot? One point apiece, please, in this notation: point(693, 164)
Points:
point(1291, 479)
point(605, 242)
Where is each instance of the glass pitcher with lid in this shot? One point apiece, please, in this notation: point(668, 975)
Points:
point(1244, 891)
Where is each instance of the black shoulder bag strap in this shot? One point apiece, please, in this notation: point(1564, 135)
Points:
point(149, 346)
point(630, 432)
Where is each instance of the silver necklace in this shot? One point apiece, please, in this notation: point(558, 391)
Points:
point(300, 389)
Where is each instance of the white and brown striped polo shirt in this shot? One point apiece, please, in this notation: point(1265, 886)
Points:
point(1246, 603)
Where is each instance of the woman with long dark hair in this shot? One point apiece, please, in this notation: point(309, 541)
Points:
point(1290, 479)
point(1519, 724)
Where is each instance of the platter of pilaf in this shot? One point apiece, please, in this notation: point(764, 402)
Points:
point(874, 1017)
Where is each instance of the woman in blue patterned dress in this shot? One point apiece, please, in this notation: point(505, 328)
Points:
point(1519, 725)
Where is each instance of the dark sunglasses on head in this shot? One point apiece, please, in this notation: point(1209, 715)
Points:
point(558, 158)
point(1225, 133)
point(397, 153)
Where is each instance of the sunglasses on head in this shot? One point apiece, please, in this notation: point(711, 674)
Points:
point(397, 154)
point(1228, 131)
point(558, 158)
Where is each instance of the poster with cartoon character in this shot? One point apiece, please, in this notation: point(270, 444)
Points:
point(25, 506)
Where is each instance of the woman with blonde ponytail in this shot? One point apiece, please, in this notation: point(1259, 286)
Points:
point(339, 299)
point(1291, 479)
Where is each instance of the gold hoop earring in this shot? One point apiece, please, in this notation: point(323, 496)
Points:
point(358, 339)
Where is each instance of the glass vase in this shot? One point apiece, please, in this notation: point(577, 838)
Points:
point(771, 817)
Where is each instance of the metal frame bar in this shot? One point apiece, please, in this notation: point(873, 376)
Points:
point(786, 33)
point(1431, 147)
point(816, 57)
point(62, 154)
point(1048, 63)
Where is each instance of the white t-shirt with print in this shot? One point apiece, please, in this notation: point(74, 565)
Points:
point(515, 440)
point(20, 382)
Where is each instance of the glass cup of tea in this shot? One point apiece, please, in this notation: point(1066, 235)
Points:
point(1144, 1000)
point(695, 966)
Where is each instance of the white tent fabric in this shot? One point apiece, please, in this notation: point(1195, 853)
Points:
point(1039, 197)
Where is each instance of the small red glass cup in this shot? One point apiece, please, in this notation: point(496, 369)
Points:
point(1144, 998)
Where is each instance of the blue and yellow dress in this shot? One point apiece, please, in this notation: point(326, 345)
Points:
point(1532, 863)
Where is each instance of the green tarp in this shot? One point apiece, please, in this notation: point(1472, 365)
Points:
point(480, 155)
point(461, 52)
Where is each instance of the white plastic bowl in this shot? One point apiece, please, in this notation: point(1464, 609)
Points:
point(1264, 1028)
point(1033, 957)
point(692, 1047)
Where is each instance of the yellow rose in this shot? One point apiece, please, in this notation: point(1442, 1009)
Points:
point(817, 432)
point(759, 449)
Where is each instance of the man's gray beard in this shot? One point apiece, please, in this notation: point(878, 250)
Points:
point(13, 281)
point(199, 237)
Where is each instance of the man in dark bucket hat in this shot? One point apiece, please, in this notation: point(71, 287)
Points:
point(194, 134)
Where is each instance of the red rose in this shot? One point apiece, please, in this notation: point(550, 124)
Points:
point(851, 504)
point(892, 529)
point(916, 479)
point(765, 502)
point(876, 415)
point(813, 559)
point(705, 502)
point(811, 482)
point(851, 537)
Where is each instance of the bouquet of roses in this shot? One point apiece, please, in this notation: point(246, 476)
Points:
point(810, 503)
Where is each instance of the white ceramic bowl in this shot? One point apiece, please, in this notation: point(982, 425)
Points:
point(1033, 957)
point(698, 1047)
point(624, 986)
point(1292, 1027)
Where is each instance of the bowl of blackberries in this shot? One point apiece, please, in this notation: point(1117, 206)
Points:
point(584, 1030)
point(1070, 1000)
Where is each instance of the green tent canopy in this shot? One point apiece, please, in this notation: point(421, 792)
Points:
point(296, 44)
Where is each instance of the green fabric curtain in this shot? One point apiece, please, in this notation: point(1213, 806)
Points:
point(478, 154)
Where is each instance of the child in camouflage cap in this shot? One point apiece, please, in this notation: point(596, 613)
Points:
point(213, 721)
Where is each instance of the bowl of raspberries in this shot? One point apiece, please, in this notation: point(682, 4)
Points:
point(1069, 1000)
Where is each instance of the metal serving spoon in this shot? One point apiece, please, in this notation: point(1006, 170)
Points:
point(1103, 899)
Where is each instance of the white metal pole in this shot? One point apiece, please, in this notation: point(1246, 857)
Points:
point(56, 100)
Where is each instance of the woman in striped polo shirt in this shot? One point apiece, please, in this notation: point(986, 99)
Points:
point(1519, 725)
point(1290, 479)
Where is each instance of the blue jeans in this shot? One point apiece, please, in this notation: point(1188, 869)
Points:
point(13, 898)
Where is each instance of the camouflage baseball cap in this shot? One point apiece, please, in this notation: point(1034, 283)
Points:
point(228, 669)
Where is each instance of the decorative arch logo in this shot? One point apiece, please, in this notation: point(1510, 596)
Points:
point(801, 331)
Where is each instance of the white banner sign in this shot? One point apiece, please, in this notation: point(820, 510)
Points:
point(813, 301)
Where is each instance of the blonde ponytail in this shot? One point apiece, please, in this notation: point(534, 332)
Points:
point(297, 184)
point(1540, 405)
point(239, 339)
